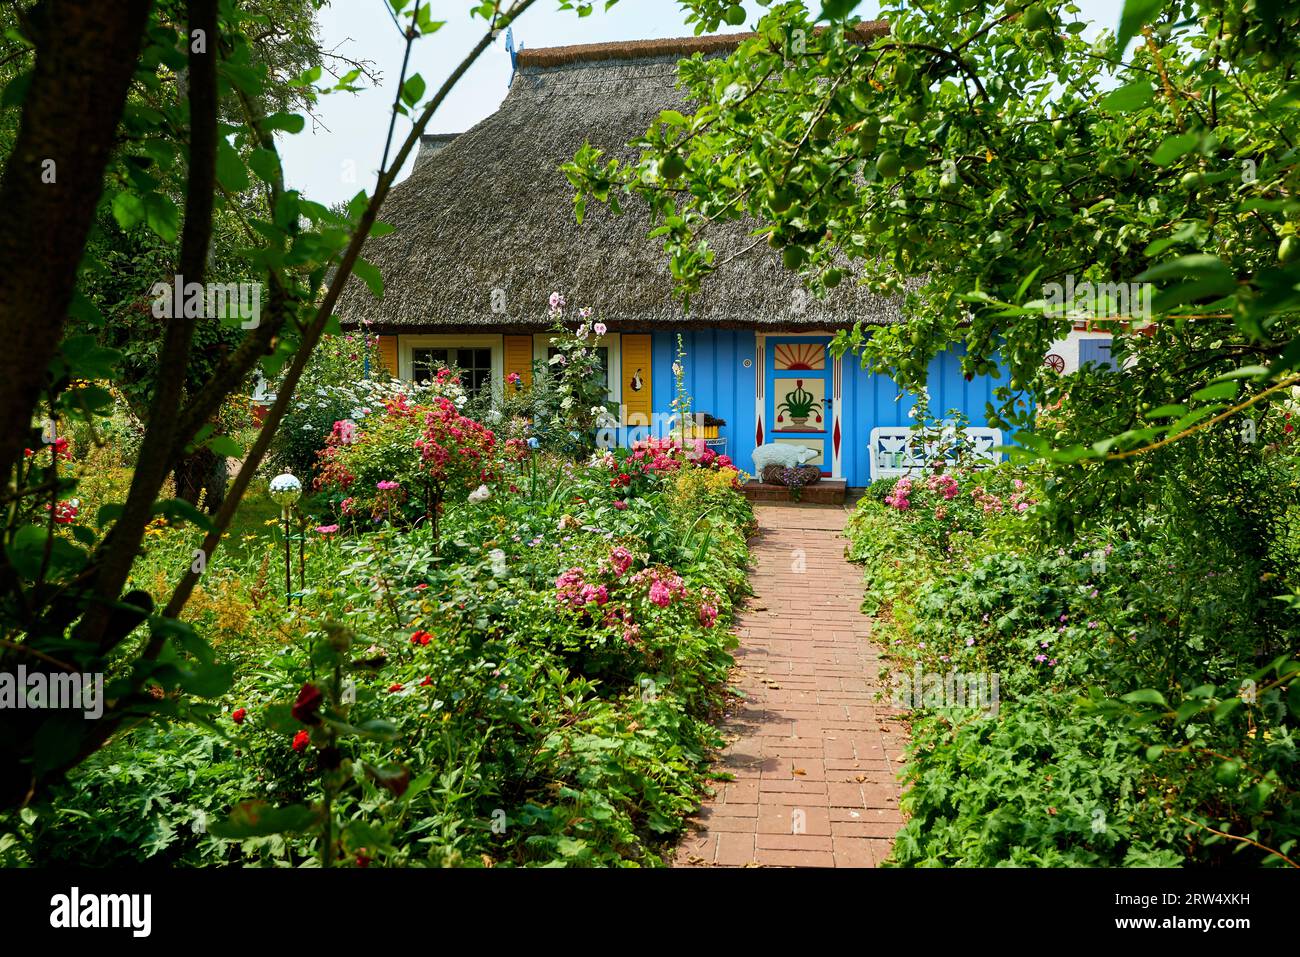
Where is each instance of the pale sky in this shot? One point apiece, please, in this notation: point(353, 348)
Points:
point(340, 157)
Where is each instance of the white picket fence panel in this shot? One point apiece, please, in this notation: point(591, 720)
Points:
point(895, 452)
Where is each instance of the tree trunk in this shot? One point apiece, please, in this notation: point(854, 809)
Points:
point(86, 54)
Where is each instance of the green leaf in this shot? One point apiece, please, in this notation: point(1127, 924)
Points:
point(1226, 708)
point(1195, 266)
point(128, 210)
point(370, 275)
point(260, 819)
point(289, 122)
point(225, 446)
point(231, 173)
point(413, 90)
point(27, 552)
point(1145, 696)
point(837, 9)
point(184, 637)
point(1167, 412)
point(208, 680)
point(393, 778)
point(108, 513)
point(1174, 147)
point(1128, 98)
point(1136, 14)
point(16, 90)
point(87, 359)
point(265, 164)
point(162, 216)
point(1219, 390)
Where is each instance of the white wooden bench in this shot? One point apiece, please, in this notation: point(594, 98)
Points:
point(895, 451)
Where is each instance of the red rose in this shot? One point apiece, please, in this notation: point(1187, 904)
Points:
point(428, 680)
point(421, 638)
point(308, 703)
point(395, 686)
point(238, 715)
point(301, 740)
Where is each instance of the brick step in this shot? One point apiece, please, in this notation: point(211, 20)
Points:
point(823, 492)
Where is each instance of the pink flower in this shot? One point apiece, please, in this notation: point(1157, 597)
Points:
point(327, 529)
point(593, 593)
point(620, 504)
point(621, 559)
point(345, 430)
point(708, 615)
point(660, 595)
point(386, 485)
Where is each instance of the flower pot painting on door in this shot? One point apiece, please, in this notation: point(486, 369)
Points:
point(801, 405)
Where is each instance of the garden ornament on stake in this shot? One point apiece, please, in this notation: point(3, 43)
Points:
point(285, 492)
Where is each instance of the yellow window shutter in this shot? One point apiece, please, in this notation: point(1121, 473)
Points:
point(519, 358)
point(388, 354)
point(638, 403)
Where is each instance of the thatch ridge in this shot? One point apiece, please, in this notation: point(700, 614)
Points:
point(673, 46)
point(485, 229)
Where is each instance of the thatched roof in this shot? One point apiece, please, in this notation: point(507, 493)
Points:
point(491, 211)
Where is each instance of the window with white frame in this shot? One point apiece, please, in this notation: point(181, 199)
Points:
point(477, 359)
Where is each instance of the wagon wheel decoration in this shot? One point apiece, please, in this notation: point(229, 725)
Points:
point(799, 404)
point(1054, 362)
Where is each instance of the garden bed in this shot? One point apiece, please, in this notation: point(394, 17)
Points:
point(526, 680)
point(1126, 710)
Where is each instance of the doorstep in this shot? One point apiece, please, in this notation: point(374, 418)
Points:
point(824, 492)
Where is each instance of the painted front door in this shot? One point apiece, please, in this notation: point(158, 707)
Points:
point(799, 393)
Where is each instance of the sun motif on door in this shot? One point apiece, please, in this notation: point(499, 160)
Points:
point(797, 356)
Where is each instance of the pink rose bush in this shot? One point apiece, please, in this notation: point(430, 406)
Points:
point(405, 460)
point(938, 506)
point(652, 603)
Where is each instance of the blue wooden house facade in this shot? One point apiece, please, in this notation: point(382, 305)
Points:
point(485, 232)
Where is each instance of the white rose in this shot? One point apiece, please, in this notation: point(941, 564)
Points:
point(480, 494)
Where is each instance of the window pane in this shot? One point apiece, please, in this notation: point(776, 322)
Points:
point(475, 369)
point(424, 360)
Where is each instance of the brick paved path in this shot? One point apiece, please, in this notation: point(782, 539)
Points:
point(813, 754)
